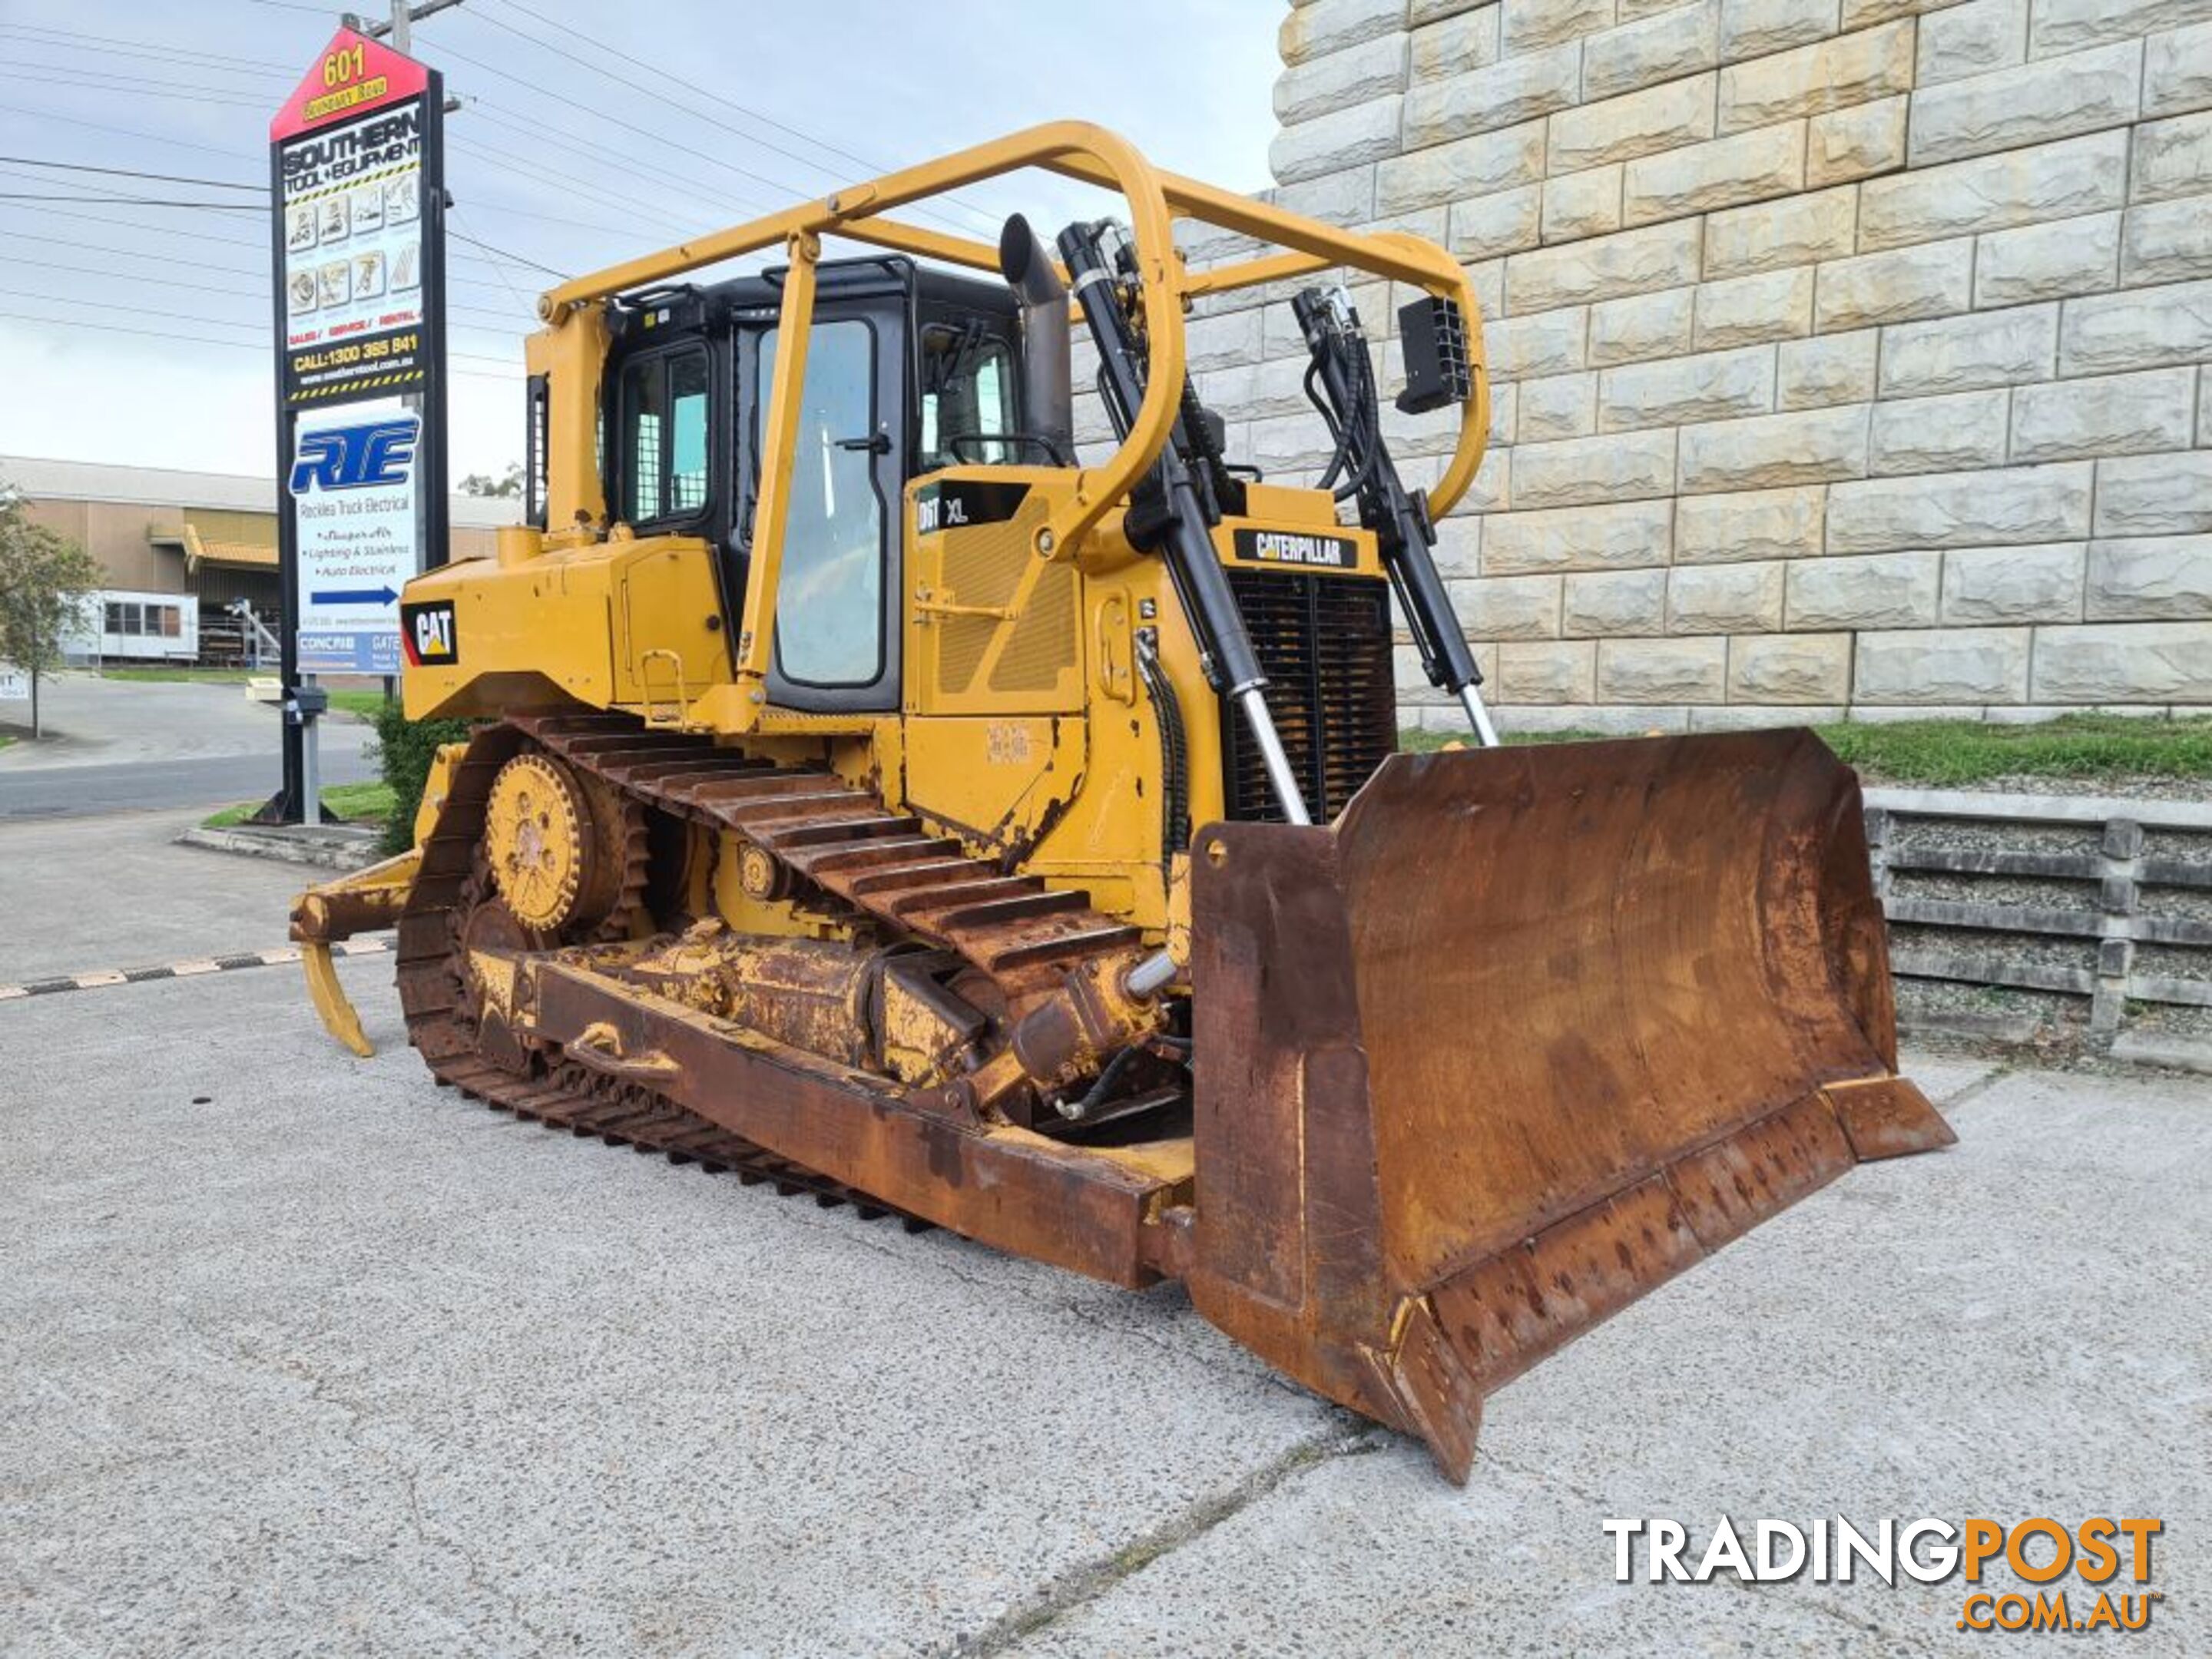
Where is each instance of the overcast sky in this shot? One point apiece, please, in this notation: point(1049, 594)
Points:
point(554, 161)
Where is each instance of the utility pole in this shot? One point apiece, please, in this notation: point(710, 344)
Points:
point(402, 18)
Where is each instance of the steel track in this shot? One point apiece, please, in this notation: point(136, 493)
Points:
point(841, 851)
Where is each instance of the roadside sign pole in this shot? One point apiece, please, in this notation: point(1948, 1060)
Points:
point(290, 794)
point(433, 537)
point(311, 763)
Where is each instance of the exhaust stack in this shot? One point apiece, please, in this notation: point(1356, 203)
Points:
point(1048, 392)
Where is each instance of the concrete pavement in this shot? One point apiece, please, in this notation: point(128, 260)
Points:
point(117, 892)
point(95, 721)
point(336, 1359)
point(2015, 1328)
point(305, 1353)
point(126, 744)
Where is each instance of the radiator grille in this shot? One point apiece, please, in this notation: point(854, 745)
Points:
point(1043, 644)
point(1324, 642)
point(983, 565)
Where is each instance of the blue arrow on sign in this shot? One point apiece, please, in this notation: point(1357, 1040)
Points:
point(355, 596)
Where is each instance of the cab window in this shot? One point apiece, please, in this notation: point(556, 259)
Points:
point(967, 400)
point(829, 600)
point(664, 413)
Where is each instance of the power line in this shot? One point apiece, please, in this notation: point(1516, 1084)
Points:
point(259, 276)
point(692, 86)
point(530, 169)
point(262, 248)
point(74, 40)
point(627, 167)
point(120, 132)
point(260, 329)
point(490, 206)
point(61, 74)
point(111, 200)
point(108, 197)
point(156, 230)
point(259, 296)
point(501, 272)
point(134, 47)
point(129, 253)
point(127, 276)
point(561, 275)
point(130, 276)
point(132, 173)
point(43, 204)
point(658, 140)
point(56, 202)
point(724, 99)
point(560, 52)
point(651, 90)
point(567, 220)
point(158, 52)
point(103, 305)
point(119, 328)
point(202, 339)
point(658, 91)
point(99, 196)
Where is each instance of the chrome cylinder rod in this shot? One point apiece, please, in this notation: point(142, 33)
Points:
point(1150, 977)
point(1471, 700)
point(1271, 751)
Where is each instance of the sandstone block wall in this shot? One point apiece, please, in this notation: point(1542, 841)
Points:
point(1849, 355)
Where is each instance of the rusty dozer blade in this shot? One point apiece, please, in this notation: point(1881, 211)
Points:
point(1525, 1033)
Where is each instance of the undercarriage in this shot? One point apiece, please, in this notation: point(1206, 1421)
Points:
point(612, 1006)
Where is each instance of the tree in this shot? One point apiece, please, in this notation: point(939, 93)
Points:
point(44, 578)
point(482, 483)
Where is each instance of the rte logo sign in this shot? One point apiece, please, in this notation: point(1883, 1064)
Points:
point(372, 455)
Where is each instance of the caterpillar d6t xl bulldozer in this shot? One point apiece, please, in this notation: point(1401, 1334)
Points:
point(875, 799)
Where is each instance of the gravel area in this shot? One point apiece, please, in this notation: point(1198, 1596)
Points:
point(2042, 1025)
point(2014, 947)
point(2167, 1019)
point(2177, 961)
point(2051, 1027)
point(2029, 892)
point(1976, 836)
point(2182, 844)
point(2156, 788)
point(2194, 902)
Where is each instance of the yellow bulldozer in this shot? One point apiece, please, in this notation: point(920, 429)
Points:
point(877, 798)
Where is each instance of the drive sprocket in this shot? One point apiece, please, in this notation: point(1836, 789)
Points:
point(547, 846)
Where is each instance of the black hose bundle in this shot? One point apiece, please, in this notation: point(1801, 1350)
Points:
point(1358, 436)
point(1174, 758)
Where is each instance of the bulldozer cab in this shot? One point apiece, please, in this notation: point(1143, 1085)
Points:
point(908, 370)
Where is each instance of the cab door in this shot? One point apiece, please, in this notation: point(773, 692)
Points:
point(837, 642)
